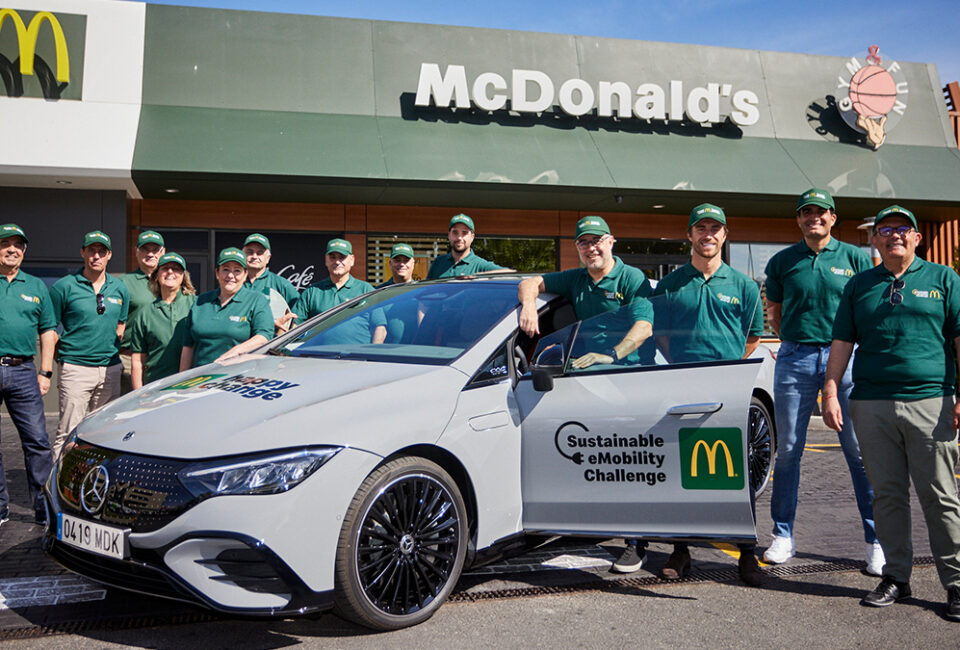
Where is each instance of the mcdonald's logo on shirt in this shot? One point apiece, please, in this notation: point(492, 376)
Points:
point(711, 458)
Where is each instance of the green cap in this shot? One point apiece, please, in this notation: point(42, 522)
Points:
point(816, 196)
point(592, 226)
point(166, 258)
point(895, 211)
point(149, 237)
point(464, 219)
point(706, 211)
point(97, 237)
point(341, 246)
point(401, 249)
point(11, 229)
point(232, 255)
point(257, 238)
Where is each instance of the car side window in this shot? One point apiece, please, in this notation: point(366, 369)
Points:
point(494, 370)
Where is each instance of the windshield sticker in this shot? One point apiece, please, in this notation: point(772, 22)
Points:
point(249, 387)
point(613, 457)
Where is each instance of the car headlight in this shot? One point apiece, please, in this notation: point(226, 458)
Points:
point(262, 474)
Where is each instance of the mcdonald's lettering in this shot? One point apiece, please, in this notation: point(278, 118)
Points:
point(27, 50)
point(711, 458)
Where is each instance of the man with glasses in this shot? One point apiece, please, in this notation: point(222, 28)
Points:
point(804, 283)
point(150, 247)
point(92, 306)
point(904, 316)
point(25, 312)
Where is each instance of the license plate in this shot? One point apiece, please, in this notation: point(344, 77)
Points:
point(90, 536)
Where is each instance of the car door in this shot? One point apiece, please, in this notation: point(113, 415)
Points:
point(654, 451)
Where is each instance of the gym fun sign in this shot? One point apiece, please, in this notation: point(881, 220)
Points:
point(872, 95)
point(533, 91)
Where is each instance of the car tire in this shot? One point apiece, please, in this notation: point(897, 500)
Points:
point(402, 545)
point(761, 444)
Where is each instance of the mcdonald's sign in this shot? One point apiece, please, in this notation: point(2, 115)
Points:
point(711, 458)
point(41, 54)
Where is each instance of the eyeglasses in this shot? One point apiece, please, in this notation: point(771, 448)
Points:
point(586, 244)
point(895, 296)
point(101, 307)
point(887, 231)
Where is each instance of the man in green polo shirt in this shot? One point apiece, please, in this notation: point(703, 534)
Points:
point(461, 260)
point(92, 306)
point(25, 312)
point(904, 316)
point(804, 283)
point(338, 288)
point(402, 319)
point(260, 278)
point(150, 246)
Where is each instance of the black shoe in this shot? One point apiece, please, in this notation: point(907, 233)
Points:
point(953, 603)
point(887, 593)
point(677, 566)
point(749, 569)
point(40, 517)
point(630, 560)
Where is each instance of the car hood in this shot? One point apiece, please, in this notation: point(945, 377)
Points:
point(262, 402)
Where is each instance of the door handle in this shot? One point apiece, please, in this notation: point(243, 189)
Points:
point(695, 409)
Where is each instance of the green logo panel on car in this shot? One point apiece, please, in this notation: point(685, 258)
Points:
point(711, 458)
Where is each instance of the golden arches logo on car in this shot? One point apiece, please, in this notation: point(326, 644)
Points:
point(711, 458)
point(27, 36)
point(710, 452)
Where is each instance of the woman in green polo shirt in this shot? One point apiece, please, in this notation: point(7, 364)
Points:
point(156, 334)
point(227, 321)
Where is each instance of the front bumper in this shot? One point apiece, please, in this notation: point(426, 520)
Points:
point(267, 555)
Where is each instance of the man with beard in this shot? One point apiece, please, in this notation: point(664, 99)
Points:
point(461, 260)
point(150, 246)
point(339, 288)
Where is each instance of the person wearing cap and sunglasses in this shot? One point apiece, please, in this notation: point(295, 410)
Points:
point(227, 321)
point(256, 247)
point(92, 306)
point(338, 288)
point(403, 319)
point(904, 318)
point(156, 332)
point(461, 260)
point(25, 312)
point(150, 246)
point(804, 283)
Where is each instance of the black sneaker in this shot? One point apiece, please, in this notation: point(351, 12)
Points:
point(630, 560)
point(887, 593)
point(953, 603)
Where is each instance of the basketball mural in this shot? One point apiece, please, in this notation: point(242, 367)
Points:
point(872, 95)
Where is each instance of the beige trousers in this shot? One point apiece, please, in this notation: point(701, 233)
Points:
point(83, 389)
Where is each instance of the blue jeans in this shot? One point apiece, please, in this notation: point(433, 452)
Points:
point(20, 391)
point(799, 376)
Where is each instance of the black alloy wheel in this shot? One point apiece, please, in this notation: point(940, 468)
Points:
point(402, 545)
point(761, 443)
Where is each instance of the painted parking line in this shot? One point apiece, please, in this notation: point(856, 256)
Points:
point(43, 591)
point(733, 551)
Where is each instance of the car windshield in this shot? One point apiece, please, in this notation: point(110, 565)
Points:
point(417, 323)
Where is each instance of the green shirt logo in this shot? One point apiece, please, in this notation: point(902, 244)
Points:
point(711, 458)
point(933, 294)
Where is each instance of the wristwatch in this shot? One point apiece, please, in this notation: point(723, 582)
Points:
point(45, 373)
point(612, 352)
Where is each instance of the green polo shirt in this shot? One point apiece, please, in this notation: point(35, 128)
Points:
point(213, 329)
point(402, 317)
point(138, 285)
point(324, 295)
point(707, 319)
point(158, 332)
point(89, 338)
point(471, 264)
point(270, 280)
point(25, 311)
point(623, 290)
point(808, 287)
point(905, 351)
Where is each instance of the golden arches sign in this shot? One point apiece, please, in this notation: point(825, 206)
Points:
point(27, 36)
point(711, 452)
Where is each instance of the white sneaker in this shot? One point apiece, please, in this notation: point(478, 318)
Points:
point(780, 550)
point(875, 559)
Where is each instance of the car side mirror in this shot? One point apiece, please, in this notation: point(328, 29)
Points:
point(542, 379)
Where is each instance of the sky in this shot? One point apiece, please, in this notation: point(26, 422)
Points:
point(926, 31)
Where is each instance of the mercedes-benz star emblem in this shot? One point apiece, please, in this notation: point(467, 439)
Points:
point(93, 489)
point(129, 435)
